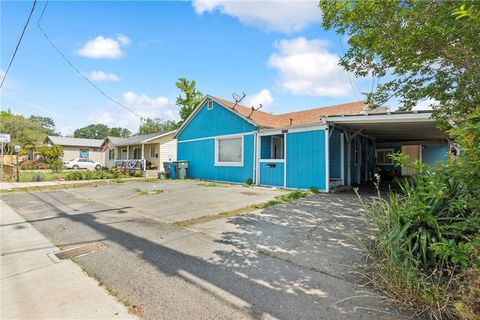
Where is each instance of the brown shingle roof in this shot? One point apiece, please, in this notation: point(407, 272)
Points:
point(268, 120)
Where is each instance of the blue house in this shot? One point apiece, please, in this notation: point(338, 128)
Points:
point(320, 148)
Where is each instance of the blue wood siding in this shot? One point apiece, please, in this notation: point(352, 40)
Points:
point(265, 147)
point(216, 122)
point(271, 173)
point(434, 153)
point(335, 155)
point(201, 157)
point(306, 160)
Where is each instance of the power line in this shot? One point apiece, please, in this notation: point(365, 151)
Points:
point(78, 71)
point(348, 73)
point(18, 43)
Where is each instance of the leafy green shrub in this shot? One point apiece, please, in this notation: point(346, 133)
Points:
point(76, 175)
point(56, 165)
point(249, 182)
point(138, 174)
point(428, 236)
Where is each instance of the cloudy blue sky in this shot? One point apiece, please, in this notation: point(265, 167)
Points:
point(275, 51)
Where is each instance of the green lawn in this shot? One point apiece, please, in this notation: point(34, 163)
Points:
point(47, 176)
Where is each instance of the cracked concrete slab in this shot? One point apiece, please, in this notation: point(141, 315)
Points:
point(290, 261)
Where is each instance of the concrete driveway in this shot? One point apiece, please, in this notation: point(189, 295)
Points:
point(290, 261)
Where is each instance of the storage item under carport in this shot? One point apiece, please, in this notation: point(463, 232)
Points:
point(176, 169)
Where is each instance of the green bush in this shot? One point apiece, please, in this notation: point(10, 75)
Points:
point(428, 236)
point(249, 181)
point(56, 165)
point(138, 174)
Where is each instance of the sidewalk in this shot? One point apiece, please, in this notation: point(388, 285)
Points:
point(7, 186)
point(33, 286)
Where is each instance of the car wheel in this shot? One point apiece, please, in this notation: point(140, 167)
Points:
point(98, 167)
point(75, 167)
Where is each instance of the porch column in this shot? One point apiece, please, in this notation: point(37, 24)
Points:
point(257, 159)
point(349, 161)
point(128, 152)
point(342, 158)
point(143, 157)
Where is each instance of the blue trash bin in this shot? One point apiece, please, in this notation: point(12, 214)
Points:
point(173, 175)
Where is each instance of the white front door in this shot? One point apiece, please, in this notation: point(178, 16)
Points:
point(414, 153)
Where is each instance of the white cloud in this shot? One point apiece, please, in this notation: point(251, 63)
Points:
point(102, 47)
point(144, 105)
point(67, 131)
point(306, 67)
point(272, 15)
point(123, 39)
point(263, 97)
point(102, 76)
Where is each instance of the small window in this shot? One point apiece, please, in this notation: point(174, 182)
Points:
point(383, 156)
point(152, 152)
point(357, 153)
point(111, 154)
point(210, 105)
point(229, 151)
point(84, 153)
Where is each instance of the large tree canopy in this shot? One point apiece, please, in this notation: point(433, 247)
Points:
point(191, 98)
point(47, 124)
point(418, 49)
point(156, 125)
point(92, 131)
point(23, 131)
point(101, 131)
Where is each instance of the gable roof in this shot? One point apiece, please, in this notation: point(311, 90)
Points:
point(267, 120)
point(117, 141)
point(75, 142)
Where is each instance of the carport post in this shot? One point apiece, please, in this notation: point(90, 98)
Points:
point(342, 158)
point(349, 160)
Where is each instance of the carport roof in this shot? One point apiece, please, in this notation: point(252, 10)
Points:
point(392, 127)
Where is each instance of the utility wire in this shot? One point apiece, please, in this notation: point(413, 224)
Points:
point(78, 71)
point(18, 43)
point(348, 73)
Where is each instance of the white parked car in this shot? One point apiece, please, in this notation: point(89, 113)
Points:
point(82, 164)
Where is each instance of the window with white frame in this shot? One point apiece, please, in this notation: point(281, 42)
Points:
point(229, 151)
point(357, 154)
point(111, 154)
point(152, 152)
point(210, 105)
point(383, 156)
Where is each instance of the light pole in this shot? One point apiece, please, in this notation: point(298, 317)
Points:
point(17, 150)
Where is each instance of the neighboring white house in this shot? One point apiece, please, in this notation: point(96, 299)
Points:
point(79, 148)
point(155, 149)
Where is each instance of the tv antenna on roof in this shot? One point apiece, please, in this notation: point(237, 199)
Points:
point(237, 98)
point(253, 110)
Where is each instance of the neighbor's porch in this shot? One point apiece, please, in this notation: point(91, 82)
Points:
point(138, 156)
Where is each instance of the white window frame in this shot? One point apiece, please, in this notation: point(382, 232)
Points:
point(384, 157)
point(152, 148)
point(210, 105)
point(229, 164)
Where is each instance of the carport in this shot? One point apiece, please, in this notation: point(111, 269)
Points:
point(359, 145)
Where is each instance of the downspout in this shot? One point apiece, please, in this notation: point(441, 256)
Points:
point(342, 158)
